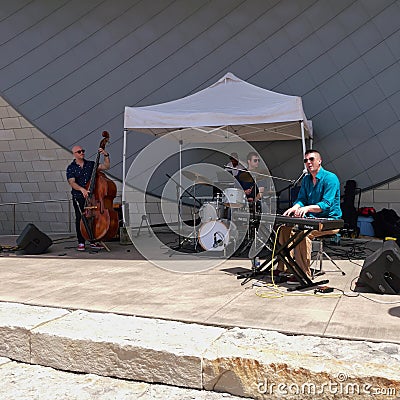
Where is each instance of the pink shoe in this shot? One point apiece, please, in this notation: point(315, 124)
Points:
point(81, 247)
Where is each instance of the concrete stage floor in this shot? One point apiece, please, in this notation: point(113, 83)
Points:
point(121, 281)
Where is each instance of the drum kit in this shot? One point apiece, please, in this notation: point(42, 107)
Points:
point(216, 229)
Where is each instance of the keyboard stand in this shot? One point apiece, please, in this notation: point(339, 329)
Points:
point(304, 227)
point(283, 253)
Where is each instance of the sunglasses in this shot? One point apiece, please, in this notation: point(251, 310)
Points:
point(309, 159)
point(80, 151)
point(256, 160)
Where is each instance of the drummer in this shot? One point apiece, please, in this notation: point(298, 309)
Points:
point(234, 166)
point(254, 190)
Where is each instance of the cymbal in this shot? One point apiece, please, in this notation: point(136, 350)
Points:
point(196, 178)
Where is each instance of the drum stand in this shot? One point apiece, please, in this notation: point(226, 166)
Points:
point(194, 232)
point(186, 239)
point(146, 221)
point(193, 235)
point(255, 267)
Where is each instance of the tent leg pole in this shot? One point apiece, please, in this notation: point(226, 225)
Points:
point(123, 177)
point(303, 140)
point(180, 193)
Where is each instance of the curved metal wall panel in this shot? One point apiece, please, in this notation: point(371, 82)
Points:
point(70, 67)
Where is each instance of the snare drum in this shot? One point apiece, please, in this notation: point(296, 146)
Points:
point(234, 198)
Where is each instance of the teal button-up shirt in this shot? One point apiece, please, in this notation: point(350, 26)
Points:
point(325, 194)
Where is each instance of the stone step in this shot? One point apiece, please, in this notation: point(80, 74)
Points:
point(244, 362)
point(21, 381)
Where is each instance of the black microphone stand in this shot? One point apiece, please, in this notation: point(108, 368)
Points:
point(292, 185)
point(300, 177)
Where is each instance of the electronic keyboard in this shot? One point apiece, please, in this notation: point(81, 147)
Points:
point(318, 224)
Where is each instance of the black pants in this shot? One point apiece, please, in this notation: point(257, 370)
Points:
point(79, 205)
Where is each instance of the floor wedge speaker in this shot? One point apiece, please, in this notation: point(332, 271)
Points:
point(381, 270)
point(33, 241)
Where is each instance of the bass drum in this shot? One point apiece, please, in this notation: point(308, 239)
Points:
point(216, 235)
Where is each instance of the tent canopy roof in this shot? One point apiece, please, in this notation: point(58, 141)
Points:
point(231, 104)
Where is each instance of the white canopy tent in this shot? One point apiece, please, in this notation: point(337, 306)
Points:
point(226, 110)
point(238, 107)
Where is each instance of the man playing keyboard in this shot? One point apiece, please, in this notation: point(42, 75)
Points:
point(319, 197)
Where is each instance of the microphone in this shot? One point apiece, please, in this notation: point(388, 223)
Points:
point(218, 242)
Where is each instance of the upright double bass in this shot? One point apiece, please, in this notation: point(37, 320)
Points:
point(99, 219)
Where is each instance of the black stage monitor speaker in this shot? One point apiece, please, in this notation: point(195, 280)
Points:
point(33, 241)
point(381, 270)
